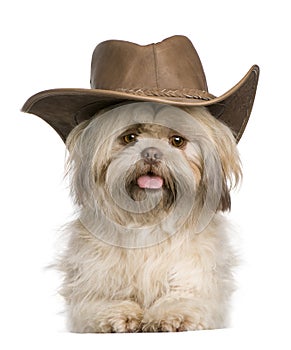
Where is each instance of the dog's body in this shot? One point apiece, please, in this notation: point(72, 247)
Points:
point(150, 250)
point(183, 283)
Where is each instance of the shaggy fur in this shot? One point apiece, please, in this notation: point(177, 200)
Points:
point(149, 260)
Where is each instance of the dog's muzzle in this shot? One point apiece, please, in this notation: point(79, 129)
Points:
point(151, 156)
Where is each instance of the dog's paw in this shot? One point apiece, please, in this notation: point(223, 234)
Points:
point(172, 323)
point(174, 317)
point(123, 318)
point(127, 323)
point(114, 316)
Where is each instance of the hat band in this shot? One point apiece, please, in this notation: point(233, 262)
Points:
point(177, 93)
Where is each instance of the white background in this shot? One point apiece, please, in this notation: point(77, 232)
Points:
point(48, 44)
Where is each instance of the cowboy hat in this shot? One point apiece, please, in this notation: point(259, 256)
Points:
point(168, 72)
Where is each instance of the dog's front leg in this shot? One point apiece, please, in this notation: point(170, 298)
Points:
point(105, 316)
point(174, 313)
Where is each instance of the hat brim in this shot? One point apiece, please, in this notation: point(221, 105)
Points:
point(64, 109)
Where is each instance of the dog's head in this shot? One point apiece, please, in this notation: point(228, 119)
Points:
point(144, 164)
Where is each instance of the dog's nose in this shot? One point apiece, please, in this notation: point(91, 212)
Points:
point(151, 154)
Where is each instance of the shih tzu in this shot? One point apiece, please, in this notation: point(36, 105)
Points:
point(149, 251)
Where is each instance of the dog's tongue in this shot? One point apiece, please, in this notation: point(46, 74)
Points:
point(152, 182)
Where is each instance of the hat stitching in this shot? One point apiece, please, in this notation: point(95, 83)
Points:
point(184, 93)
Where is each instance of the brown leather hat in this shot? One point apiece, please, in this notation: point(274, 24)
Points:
point(168, 72)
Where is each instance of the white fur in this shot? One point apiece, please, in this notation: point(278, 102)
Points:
point(181, 284)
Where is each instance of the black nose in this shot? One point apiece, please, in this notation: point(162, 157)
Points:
point(151, 154)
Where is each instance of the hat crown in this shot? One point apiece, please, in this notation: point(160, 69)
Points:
point(170, 64)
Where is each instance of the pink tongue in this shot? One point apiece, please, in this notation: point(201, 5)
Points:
point(153, 182)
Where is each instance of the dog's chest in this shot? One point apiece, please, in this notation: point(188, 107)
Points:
point(144, 275)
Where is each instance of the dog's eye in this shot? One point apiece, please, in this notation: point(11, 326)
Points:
point(129, 138)
point(177, 141)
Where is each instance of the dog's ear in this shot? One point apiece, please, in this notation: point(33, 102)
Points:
point(77, 167)
point(222, 168)
point(214, 188)
point(221, 171)
point(214, 191)
point(230, 164)
point(75, 134)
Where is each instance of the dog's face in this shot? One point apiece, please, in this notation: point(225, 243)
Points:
point(151, 173)
point(149, 159)
point(146, 165)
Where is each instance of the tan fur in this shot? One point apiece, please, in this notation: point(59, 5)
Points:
point(154, 279)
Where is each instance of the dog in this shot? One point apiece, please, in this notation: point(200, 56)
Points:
point(150, 250)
